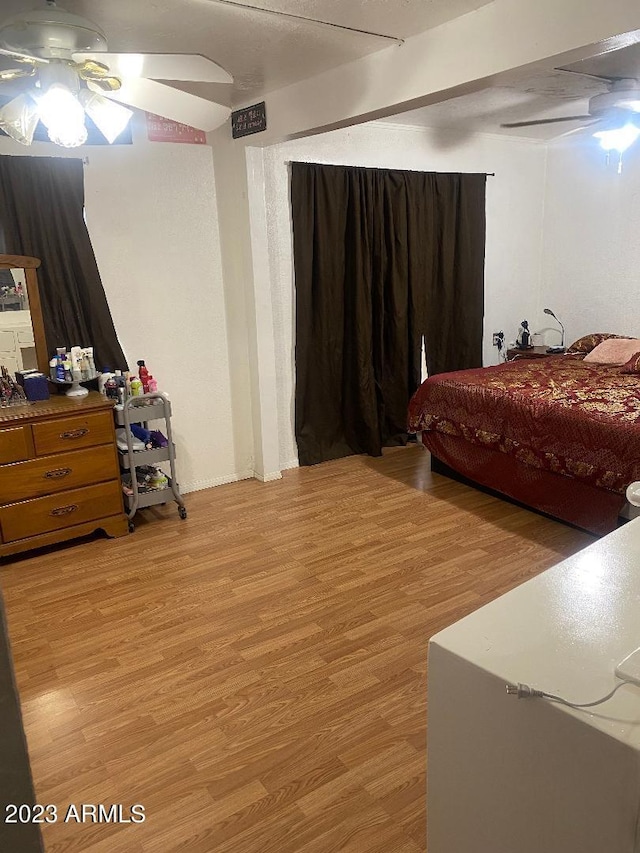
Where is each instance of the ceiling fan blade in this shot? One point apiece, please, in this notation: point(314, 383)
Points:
point(578, 129)
point(7, 74)
point(587, 74)
point(545, 121)
point(160, 66)
point(168, 102)
point(23, 57)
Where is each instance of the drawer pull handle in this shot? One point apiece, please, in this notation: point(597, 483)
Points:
point(64, 510)
point(74, 433)
point(57, 474)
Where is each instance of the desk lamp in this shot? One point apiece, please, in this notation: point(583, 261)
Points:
point(561, 347)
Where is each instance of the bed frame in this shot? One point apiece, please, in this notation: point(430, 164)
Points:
point(572, 501)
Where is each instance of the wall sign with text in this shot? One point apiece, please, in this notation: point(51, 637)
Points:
point(161, 129)
point(249, 120)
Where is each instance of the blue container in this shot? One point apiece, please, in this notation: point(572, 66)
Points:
point(36, 387)
point(21, 374)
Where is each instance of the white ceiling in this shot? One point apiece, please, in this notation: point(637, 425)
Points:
point(265, 51)
point(530, 95)
point(262, 51)
point(524, 97)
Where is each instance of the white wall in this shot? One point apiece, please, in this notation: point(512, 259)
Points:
point(591, 258)
point(152, 215)
point(231, 197)
point(514, 225)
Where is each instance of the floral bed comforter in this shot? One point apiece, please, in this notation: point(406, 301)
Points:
point(561, 414)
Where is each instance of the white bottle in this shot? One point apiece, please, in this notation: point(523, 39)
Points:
point(76, 364)
point(92, 364)
point(103, 378)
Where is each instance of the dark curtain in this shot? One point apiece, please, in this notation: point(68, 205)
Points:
point(382, 258)
point(42, 215)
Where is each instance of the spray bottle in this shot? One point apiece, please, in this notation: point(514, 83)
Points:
point(143, 373)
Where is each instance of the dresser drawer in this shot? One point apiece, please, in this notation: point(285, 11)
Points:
point(49, 474)
point(42, 515)
point(70, 433)
point(15, 444)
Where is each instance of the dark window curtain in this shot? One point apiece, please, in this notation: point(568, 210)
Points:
point(42, 215)
point(382, 258)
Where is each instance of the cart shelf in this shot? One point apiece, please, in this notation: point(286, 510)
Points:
point(141, 410)
point(148, 410)
point(151, 498)
point(143, 457)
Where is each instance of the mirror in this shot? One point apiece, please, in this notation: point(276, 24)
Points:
point(22, 338)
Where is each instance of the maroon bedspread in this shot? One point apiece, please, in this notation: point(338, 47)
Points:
point(559, 414)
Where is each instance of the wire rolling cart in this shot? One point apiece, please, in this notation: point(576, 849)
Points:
point(140, 410)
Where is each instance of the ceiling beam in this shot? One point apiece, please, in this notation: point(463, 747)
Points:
point(458, 57)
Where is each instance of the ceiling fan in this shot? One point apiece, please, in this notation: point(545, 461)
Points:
point(67, 58)
point(615, 114)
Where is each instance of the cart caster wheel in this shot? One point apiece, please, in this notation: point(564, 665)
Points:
point(182, 511)
point(132, 527)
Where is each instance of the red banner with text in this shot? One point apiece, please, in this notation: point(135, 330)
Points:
point(161, 129)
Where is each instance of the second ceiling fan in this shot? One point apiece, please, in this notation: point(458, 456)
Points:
point(614, 115)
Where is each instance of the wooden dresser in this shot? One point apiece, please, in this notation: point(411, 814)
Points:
point(59, 473)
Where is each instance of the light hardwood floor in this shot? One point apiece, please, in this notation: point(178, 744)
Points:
point(255, 676)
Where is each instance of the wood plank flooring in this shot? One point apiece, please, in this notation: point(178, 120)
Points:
point(255, 676)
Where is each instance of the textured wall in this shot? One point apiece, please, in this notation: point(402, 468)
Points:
point(591, 270)
point(514, 225)
point(151, 212)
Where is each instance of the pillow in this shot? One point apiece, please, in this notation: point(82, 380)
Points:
point(633, 365)
point(614, 351)
point(588, 342)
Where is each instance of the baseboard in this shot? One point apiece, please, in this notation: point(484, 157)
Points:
point(268, 478)
point(292, 463)
point(199, 485)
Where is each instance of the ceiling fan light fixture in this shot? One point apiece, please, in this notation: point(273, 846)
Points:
point(62, 114)
point(19, 119)
point(68, 54)
point(52, 33)
point(109, 117)
point(618, 138)
point(633, 104)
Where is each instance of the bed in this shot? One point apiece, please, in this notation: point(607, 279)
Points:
point(558, 434)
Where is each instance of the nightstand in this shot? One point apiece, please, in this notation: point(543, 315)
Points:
point(514, 353)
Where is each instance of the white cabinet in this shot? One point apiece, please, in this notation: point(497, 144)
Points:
point(529, 775)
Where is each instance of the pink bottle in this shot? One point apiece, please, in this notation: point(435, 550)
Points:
point(143, 373)
point(152, 385)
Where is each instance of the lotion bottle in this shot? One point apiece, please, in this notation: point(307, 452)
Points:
point(61, 356)
point(91, 362)
point(75, 358)
point(103, 379)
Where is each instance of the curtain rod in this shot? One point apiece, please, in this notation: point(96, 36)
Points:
point(310, 163)
point(85, 161)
